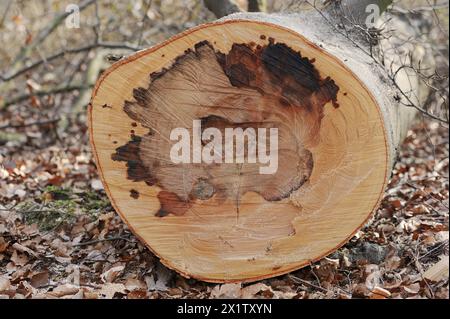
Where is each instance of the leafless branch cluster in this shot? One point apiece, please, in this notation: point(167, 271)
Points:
point(47, 67)
point(416, 46)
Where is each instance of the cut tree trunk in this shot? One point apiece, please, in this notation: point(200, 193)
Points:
point(338, 127)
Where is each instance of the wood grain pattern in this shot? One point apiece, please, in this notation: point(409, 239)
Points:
point(348, 145)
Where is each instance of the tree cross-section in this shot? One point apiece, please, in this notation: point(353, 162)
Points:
point(337, 128)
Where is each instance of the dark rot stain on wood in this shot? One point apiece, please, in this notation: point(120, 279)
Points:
point(284, 69)
point(129, 153)
point(134, 194)
point(171, 204)
point(202, 189)
point(161, 213)
point(262, 86)
point(276, 268)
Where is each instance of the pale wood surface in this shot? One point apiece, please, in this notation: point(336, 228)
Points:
point(352, 158)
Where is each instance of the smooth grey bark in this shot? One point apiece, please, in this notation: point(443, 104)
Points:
point(356, 11)
point(221, 8)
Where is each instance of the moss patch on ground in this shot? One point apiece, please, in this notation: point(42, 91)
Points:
point(57, 206)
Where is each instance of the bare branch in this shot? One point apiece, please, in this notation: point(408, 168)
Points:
point(43, 34)
point(96, 241)
point(144, 19)
point(107, 45)
point(339, 13)
point(5, 13)
point(56, 90)
point(356, 11)
point(38, 123)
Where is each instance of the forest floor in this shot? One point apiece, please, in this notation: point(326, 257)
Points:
point(60, 237)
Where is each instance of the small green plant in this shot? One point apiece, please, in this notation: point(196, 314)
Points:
point(94, 202)
point(57, 206)
point(48, 215)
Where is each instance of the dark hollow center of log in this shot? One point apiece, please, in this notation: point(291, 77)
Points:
point(268, 86)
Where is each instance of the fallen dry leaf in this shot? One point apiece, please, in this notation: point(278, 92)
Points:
point(24, 249)
point(64, 290)
point(19, 259)
point(108, 290)
point(137, 294)
point(39, 279)
point(111, 274)
point(132, 284)
point(4, 284)
point(438, 271)
point(224, 291)
point(3, 244)
point(380, 292)
point(251, 291)
point(412, 289)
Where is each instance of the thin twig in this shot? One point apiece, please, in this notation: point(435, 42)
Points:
point(91, 242)
point(106, 45)
point(144, 18)
point(302, 281)
point(2, 20)
point(391, 77)
point(299, 280)
point(56, 90)
point(38, 123)
point(43, 34)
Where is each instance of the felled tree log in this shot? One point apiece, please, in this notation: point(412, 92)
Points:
point(338, 124)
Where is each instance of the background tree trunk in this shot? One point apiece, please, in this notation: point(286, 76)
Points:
point(221, 8)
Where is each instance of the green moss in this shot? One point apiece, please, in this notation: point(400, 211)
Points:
point(94, 202)
point(58, 206)
point(57, 193)
point(48, 216)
